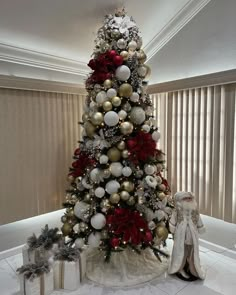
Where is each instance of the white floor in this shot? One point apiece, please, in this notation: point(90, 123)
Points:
point(220, 279)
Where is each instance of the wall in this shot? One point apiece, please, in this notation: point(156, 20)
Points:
point(205, 45)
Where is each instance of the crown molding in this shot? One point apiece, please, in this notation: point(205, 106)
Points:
point(225, 77)
point(40, 85)
point(26, 57)
point(192, 8)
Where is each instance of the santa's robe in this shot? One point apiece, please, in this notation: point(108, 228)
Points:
point(185, 225)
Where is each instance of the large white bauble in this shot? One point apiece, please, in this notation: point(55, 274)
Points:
point(116, 169)
point(112, 186)
point(146, 128)
point(111, 118)
point(96, 175)
point(111, 93)
point(101, 97)
point(79, 243)
point(134, 97)
point(94, 240)
point(80, 209)
point(98, 221)
point(132, 45)
point(103, 159)
point(126, 171)
point(156, 135)
point(137, 115)
point(149, 169)
point(122, 114)
point(122, 73)
point(99, 192)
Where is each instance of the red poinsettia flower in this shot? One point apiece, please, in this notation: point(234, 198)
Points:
point(82, 162)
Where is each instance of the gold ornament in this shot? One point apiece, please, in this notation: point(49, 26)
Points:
point(161, 195)
point(107, 83)
point(125, 154)
point(107, 106)
point(106, 173)
point(124, 54)
point(104, 234)
point(124, 195)
point(127, 186)
point(125, 90)
point(97, 118)
point(89, 129)
point(66, 229)
point(142, 57)
point(114, 198)
point(105, 204)
point(70, 213)
point(85, 117)
point(161, 232)
point(116, 101)
point(126, 128)
point(87, 198)
point(121, 145)
point(131, 201)
point(114, 154)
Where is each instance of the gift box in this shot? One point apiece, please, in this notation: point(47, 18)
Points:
point(68, 275)
point(35, 255)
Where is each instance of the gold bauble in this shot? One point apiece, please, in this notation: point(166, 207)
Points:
point(85, 117)
point(105, 204)
point(124, 54)
point(125, 90)
point(121, 145)
point(66, 229)
point(116, 101)
point(124, 195)
point(114, 198)
point(142, 57)
point(131, 201)
point(89, 129)
point(126, 128)
point(70, 213)
point(161, 195)
point(97, 118)
point(107, 83)
point(107, 106)
point(161, 232)
point(87, 198)
point(127, 186)
point(125, 154)
point(114, 154)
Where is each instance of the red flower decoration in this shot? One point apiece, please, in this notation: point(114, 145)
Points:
point(141, 147)
point(82, 162)
point(129, 226)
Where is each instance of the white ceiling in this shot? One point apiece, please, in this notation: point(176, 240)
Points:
point(58, 35)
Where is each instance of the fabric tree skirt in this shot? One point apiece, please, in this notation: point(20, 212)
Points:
point(126, 268)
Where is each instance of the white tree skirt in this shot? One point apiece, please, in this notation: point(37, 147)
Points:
point(125, 268)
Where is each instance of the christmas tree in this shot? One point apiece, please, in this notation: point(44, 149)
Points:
point(118, 197)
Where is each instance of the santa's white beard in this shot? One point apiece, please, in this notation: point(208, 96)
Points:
point(185, 205)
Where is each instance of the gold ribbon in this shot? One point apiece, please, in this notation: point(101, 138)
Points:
point(61, 274)
point(80, 268)
point(42, 284)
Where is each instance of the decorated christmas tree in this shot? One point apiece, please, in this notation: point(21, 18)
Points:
point(117, 196)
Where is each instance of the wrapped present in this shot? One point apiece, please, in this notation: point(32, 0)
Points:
point(69, 268)
point(36, 279)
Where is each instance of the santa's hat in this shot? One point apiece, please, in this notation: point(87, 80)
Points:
point(179, 196)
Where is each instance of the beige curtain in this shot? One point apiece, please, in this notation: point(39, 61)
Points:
point(38, 134)
point(198, 129)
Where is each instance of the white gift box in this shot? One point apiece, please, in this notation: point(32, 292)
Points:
point(42, 285)
point(68, 275)
point(33, 256)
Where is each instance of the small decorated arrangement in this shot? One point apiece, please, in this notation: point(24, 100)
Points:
point(36, 279)
point(69, 268)
point(42, 247)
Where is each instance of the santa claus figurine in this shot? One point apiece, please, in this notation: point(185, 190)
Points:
point(185, 225)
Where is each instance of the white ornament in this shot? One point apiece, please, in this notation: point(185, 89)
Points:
point(111, 118)
point(103, 159)
point(137, 115)
point(132, 45)
point(112, 186)
point(79, 243)
point(134, 97)
point(98, 221)
point(86, 184)
point(149, 169)
point(99, 192)
point(80, 210)
point(101, 97)
point(151, 181)
point(156, 135)
point(122, 114)
point(122, 73)
point(146, 128)
point(121, 43)
point(126, 171)
point(116, 169)
point(96, 175)
point(111, 93)
point(94, 240)
point(142, 71)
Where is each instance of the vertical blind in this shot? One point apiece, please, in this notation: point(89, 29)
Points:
point(38, 134)
point(198, 128)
